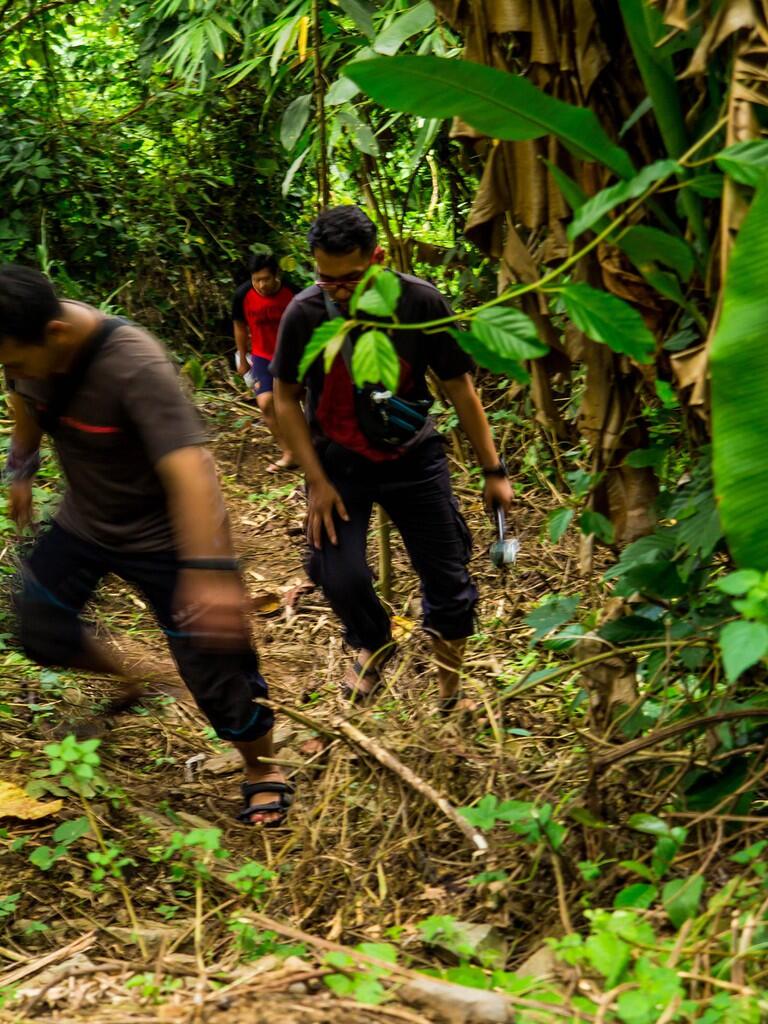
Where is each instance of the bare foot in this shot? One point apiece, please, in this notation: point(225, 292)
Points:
point(284, 464)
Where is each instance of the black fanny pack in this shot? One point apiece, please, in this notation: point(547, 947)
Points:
point(386, 420)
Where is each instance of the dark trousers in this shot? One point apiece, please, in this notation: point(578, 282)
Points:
point(60, 576)
point(415, 491)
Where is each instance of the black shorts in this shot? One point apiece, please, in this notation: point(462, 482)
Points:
point(60, 576)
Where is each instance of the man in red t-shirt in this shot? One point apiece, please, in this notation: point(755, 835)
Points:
point(257, 309)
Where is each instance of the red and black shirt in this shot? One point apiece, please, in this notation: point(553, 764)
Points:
point(330, 397)
point(261, 314)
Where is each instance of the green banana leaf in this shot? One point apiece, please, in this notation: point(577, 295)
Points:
point(739, 367)
point(500, 104)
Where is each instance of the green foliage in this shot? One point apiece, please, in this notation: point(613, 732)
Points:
point(378, 293)
point(558, 521)
point(745, 162)
point(738, 358)
point(413, 21)
point(252, 879)
point(494, 102)
point(742, 645)
point(594, 209)
point(72, 768)
point(295, 120)
point(362, 986)
point(375, 361)
point(502, 339)
point(9, 904)
point(552, 613)
point(532, 822)
point(44, 857)
point(153, 988)
point(609, 320)
point(330, 333)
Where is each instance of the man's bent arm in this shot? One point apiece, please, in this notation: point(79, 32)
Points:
point(195, 505)
point(241, 341)
point(465, 400)
point(26, 434)
point(23, 453)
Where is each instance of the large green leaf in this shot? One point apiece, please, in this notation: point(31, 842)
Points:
point(743, 644)
point(323, 335)
point(488, 358)
point(416, 19)
point(501, 339)
point(500, 104)
point(681, 898)
point(739, 367)
point(605, 318)
point(645, 28)
point(607, 199)
point(745, 162)
point(380, 298)
point(509, 332)
point(342, 90)
point(294, 120)
point(374, 361)
point(646, 245)
point(361, 14)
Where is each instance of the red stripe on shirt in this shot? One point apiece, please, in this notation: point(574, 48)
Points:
point(88, 428)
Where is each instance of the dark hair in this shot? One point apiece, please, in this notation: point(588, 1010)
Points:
point(342, 230)
point(263, 261)
point(27, 304)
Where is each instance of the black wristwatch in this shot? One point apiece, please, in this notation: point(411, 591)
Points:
point(500, 470)
point(213, 564)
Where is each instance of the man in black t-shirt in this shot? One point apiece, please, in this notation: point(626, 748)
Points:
point(347, 472)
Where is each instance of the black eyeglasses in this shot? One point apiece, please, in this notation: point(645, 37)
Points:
point(347, 282)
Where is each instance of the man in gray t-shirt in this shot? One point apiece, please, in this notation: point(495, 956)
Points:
point(142, 501)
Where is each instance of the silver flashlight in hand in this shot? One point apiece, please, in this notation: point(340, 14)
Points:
point(504, 549)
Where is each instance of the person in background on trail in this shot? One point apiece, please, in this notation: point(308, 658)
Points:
point(348, 466)
point(257, 307)
point(142, 501)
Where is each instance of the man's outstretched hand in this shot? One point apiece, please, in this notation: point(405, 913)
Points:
point(211, 607)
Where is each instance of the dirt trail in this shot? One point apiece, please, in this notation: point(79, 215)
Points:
point(363, 857)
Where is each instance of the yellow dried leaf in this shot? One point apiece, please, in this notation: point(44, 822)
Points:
point(303, 38)
point(266, 603)
point(402, 627)
point(15, 803)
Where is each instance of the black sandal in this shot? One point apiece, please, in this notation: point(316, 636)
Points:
point(284, 800)
point(367, 671)
point(448, 704)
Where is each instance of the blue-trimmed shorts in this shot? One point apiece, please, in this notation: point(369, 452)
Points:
point(263, 381)
point(59, 578)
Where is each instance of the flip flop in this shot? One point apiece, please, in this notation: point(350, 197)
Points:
point(275, 467)
point(284, 791)
point(448, 704)
point(363, 670)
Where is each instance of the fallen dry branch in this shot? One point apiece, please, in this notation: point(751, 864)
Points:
point(79, 945)
point(387, 759)
point(643, 742)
